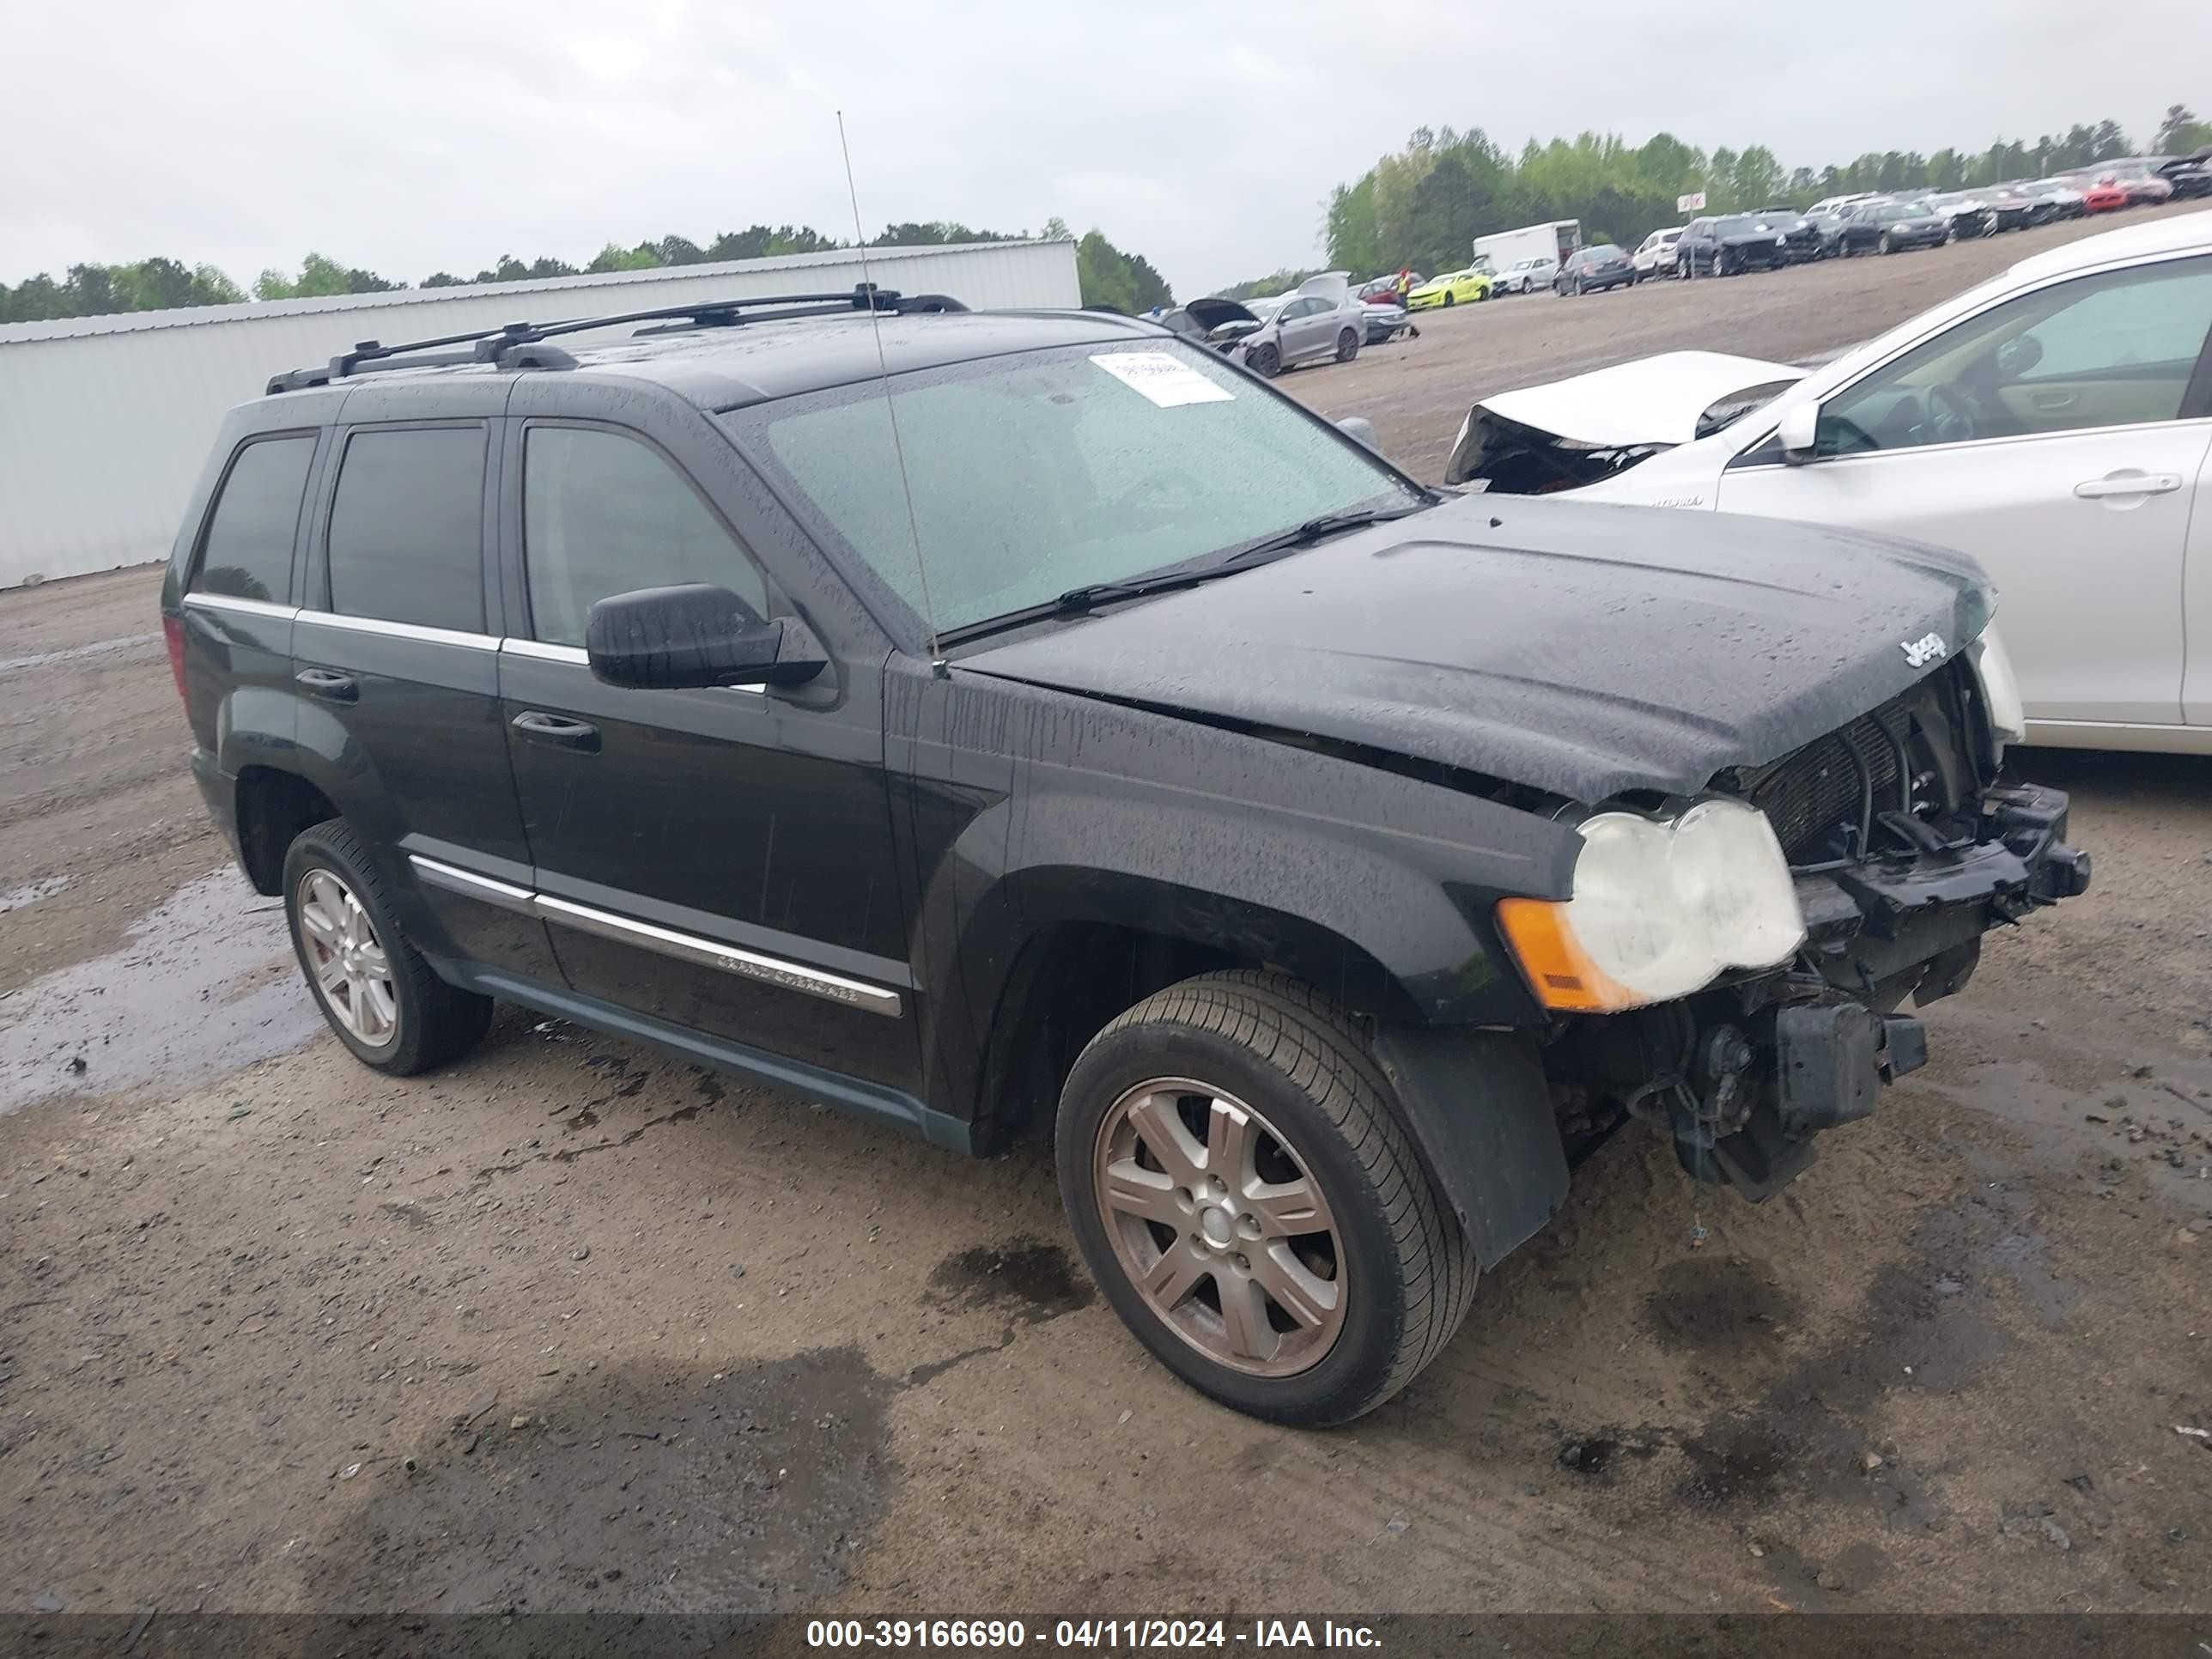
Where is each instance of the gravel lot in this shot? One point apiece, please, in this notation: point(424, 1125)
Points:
point(567, 1326)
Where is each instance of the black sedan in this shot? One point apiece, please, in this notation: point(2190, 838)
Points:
point(1731, 243)
point(1889, 227)
point(2191, 176)
point(1596, 268)
point(1799, 231)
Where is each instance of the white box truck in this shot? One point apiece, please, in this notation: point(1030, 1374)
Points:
point(1527, 258)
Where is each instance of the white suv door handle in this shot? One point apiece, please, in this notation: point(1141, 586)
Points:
point(2128, 483)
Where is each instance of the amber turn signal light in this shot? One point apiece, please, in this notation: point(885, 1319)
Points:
point(1559, 971)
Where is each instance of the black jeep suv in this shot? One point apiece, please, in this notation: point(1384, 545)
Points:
point(1027, 722)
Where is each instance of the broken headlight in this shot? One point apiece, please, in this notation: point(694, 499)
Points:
point(1661, 908)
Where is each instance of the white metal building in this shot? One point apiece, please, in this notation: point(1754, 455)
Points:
point(105, 421)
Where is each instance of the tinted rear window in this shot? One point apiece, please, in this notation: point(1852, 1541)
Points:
point(407, 528)
point(248, 551)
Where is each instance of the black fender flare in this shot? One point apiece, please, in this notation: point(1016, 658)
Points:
point(1480, 1112)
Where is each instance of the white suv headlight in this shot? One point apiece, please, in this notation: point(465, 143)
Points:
point(1661, 908)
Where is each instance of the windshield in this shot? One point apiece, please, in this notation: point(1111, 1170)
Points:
point(1905, 210)
point(1048, 471)
point(1740, 225)
point(1602, 252)
point(1263, 309)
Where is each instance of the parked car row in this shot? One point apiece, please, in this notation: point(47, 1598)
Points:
point(1326, 317)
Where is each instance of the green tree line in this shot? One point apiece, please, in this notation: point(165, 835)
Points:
point(1108, 276)
point(1424, 205)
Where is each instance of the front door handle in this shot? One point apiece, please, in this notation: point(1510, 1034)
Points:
point(558, 730)
point(2128, 483)
point(330, 687)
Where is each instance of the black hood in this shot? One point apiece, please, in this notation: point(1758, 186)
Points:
point(1576, 647)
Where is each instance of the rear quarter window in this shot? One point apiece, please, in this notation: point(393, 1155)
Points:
point(406, 541)
point(246, 553)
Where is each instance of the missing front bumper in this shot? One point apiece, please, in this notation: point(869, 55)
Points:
point(1746, 1075)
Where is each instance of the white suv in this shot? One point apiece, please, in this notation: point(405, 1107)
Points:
point(1654, 254)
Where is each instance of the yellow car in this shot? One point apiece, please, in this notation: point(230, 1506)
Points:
point(1454, 288)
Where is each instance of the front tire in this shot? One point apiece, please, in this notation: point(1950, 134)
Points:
point(1448, 299)
point(1241, 1187)
point(1265, 361)
point(379, 996)
point(1885, 245)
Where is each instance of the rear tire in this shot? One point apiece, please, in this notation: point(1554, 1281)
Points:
point(382, 999)
point(1320, 1196)
point(1347, 346)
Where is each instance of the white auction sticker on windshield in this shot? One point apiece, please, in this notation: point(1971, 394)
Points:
point(1164, 378)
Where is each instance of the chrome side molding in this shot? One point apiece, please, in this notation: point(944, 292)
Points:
point(667, 941)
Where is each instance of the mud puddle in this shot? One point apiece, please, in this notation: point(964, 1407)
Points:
point(203, 987)
point(1024, 1282)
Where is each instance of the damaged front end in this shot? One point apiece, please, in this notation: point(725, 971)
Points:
point(1586, 429)
point(1225, 323)
point(1903, 850)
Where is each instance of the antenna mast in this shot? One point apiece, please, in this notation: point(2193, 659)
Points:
point(890, 405)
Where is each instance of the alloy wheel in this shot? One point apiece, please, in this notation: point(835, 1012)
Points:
point(351, 970)
point(1220, 1226)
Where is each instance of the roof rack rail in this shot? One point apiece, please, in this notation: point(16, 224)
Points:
point(517, 345)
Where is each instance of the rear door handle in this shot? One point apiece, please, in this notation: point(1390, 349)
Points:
point(331, 687)
point(558, 730)
point(2128, 483)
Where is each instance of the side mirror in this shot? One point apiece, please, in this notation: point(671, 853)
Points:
point(1800, 432)
point(1360, 429)
point(2019, 355)
point(695, 635)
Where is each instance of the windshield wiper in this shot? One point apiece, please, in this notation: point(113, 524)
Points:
point(1314, 529)
point(1077, 600)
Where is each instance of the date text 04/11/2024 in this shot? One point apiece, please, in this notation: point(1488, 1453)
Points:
point(1089, 1635)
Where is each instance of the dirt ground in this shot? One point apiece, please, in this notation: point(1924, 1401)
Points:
point(570, 1328)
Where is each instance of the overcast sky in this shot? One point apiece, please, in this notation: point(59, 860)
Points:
point(408, 136)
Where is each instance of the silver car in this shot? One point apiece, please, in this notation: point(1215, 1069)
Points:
point(1322, 319)
point(1525, 276)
